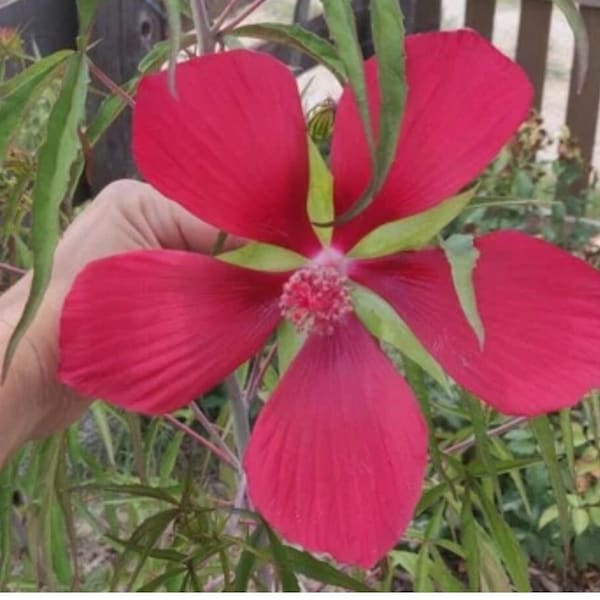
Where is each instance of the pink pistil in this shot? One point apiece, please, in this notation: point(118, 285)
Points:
point(315, 299)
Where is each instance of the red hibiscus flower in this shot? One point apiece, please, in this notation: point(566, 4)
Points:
point(337, 457)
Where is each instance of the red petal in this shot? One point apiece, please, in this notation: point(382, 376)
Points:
point(337, 457)
point(231, 148)
point(151, 330)
point(540, 308)
point(465, 100)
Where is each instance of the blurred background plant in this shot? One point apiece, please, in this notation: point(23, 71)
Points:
point(128, 503)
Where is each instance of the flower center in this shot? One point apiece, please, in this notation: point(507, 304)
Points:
point(316, 298)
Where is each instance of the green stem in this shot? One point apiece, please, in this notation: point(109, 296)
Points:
point(239, 412)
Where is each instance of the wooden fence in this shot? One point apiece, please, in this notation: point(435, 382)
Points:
point(532, 51)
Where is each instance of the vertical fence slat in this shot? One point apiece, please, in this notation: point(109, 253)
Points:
point(479, 15)
point(426, 15)
point(532, 46)
point(125, 30)
point(582, 111)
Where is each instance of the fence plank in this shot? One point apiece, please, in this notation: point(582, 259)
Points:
point(582, 111)
point(479, 15)
point(532, 46)
point(126, 30)
point(426, 16)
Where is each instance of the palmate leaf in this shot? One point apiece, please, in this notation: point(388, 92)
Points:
point(57, 157)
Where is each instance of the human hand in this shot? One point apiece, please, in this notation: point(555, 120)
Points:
point(126, 215)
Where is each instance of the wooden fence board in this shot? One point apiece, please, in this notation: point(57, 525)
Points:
point(532, 45)
point(126, 30)
point(582, 111)
point(479, 15)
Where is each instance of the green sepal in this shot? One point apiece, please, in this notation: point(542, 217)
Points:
point(263, 257)
point(385, 324)
point(411, 233)
point(320, 193)
point(462, 256)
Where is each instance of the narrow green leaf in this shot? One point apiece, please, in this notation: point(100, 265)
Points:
point(411, 233)
point(469, 542)
point(462, 255)
point(482, 441)
point(154, 584)
point(422, 580)
point(582, 43)
point(289, 343)
point(387, 25)
point(7, 476)
point(17, 93)
point(320, 193)
point(174, 24)
point(289, 582)
point(145, 536)
point(299, 38)
point(306, 564)
point(544, 434)
point(506, 542)
point(141, 491)
point(442, 575)
point(567, 435)
point(86, 10)
point(169, 457)
point(247, 561)
point(99, 414)
point(342, 28)
point(493, 576)
point(387, 326)
point(56, 158)
point(263, 257)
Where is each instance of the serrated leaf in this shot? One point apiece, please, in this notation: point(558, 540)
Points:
point(263, 257)
point(387, 27)
point(320, 193)
point(56, 158)
point(17, 93)
point(411, 233)
point(386, 325)
point(544, 434)
point(299, 38)
point(582, 44)
point(342, 28)
point(462, 255)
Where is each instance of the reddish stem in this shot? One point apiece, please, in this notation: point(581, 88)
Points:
point(202, 441)
point(237, 20)
point(11, 269)
point(116, 89)
point(257, 375)
point(496, 431)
